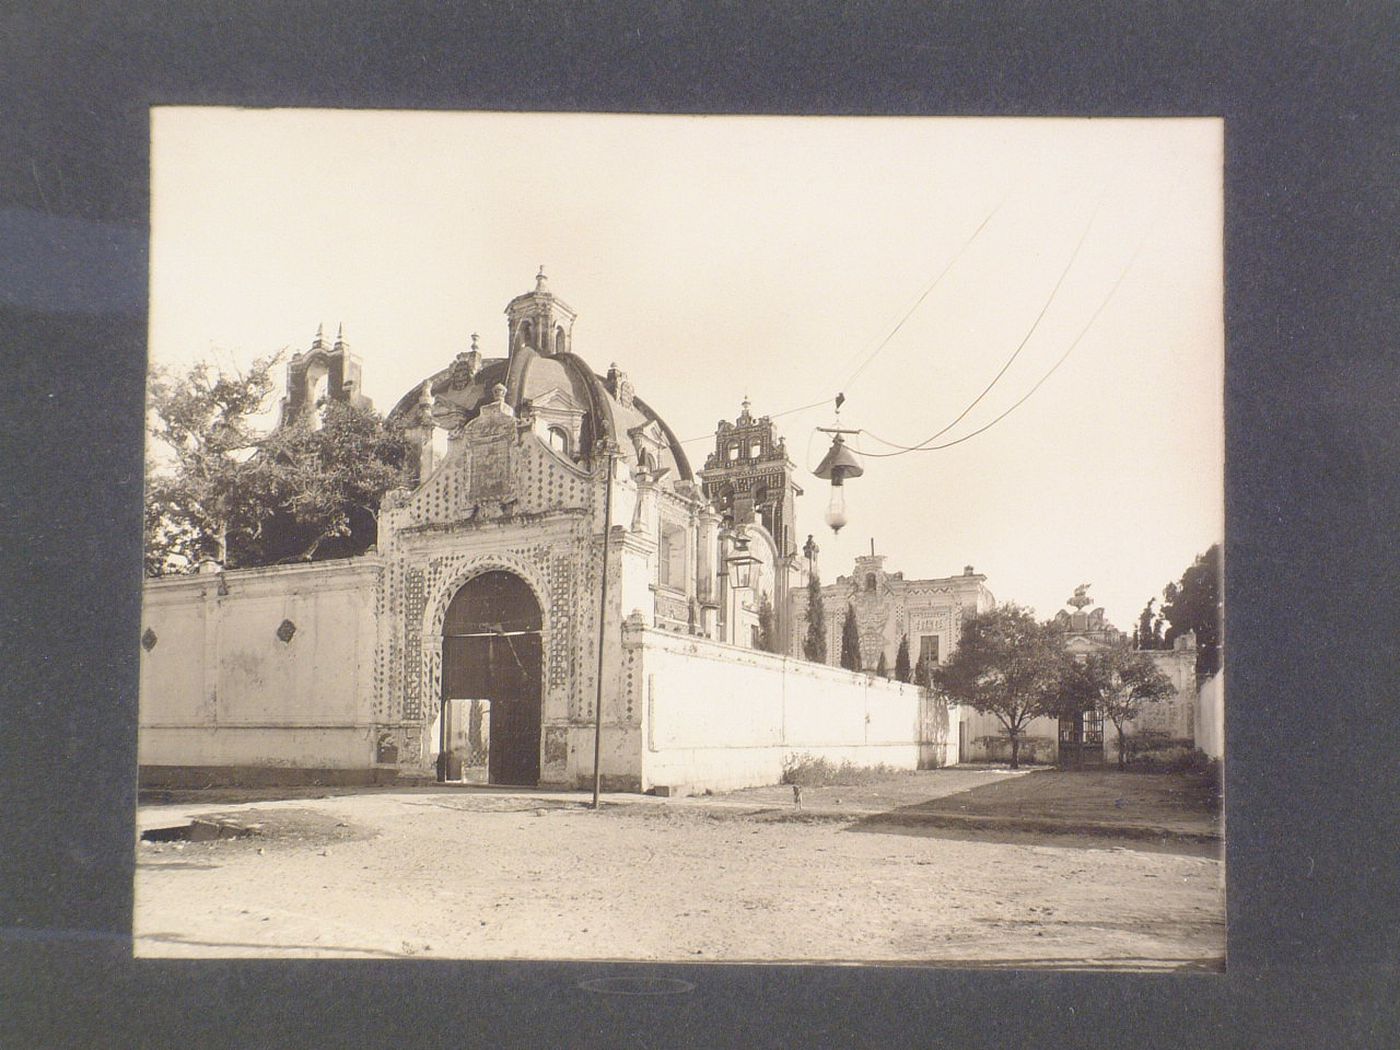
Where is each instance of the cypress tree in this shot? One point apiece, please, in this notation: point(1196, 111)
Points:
point(901, 660)
point(814, 644)
point(850, 641)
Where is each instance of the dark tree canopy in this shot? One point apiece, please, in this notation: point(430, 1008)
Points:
point(850, 641)
point(1006, 664)
point(881, 667)
point(1193, 604)
point(245, 498)
point(1119, 683)
point(814, 642)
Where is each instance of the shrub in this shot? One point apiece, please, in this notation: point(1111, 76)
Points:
point(814, 771)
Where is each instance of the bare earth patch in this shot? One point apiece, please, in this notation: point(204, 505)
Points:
point(458, 874)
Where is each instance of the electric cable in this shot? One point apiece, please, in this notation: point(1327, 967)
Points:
point(927, 291)
point(1021, 346)
point(875, 351)
point(1026, 396)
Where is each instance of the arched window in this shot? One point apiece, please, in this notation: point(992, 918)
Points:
point(559, 440)
point(527, 334)
point(734, 450)
point(869, 581)
point(559, 340)
point(755, 448)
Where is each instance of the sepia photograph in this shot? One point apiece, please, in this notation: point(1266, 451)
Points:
point(707, 539)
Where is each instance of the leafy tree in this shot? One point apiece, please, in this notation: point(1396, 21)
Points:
point(1120, 682)
point(208, 496)
point(850, 641)
point(1148, 632)
point(767, 629)
point(814, 643)
point(1193, 604)
point(328, 484)
point(901, 660)
point(881, 667)
point(248, 498)
point(1142, 633)
point(1007, 664)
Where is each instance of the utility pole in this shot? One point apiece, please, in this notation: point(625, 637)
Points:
point(607, 453)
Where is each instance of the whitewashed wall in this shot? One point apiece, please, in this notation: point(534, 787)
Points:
point(1210, 717)
point(220, 688)
point(719, 717)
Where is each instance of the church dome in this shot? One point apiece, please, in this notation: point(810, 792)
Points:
point(541, 373)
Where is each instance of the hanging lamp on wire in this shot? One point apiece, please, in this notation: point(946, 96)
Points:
point(839, 464)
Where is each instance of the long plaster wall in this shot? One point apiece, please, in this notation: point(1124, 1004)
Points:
point(719, 717)
point(220, 688)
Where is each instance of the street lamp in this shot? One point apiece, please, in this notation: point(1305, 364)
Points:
point(839, 464)
point(741, 562)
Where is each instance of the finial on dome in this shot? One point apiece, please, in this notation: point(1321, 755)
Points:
point(498, 392)
point(745, 416)
point(541, 282)
point(474, 339)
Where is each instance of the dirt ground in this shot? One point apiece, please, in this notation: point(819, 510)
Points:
point(452, 873)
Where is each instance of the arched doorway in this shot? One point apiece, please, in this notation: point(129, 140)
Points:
point(491, 696)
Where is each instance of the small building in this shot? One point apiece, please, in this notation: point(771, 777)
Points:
point(889, 609)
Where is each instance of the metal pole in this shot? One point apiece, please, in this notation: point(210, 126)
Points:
point(602, 627)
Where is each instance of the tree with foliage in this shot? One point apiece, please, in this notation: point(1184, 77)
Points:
point(328, 484)
point(814, 643)
point(1007, 664)
point(767, 627)
point(1120, 683)
point(209, 497)
point(901, 660)
point(245, 498)
point(881, 667)
point(1148, 632)
point(850, 640)
point(1193, 604)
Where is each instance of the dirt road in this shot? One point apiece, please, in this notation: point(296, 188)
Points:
point(454, 874)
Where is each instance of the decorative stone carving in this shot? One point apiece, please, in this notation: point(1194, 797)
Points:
point(463, 370)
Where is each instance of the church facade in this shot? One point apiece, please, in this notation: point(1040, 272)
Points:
point(889, 609)
point(555, 552)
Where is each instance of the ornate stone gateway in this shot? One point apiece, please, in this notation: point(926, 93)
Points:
point(491, 670)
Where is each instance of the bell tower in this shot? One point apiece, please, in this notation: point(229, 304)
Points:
point(540, 321)
point(749, 477)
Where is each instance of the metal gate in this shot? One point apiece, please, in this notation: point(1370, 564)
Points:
point(1081, 741)
point(491, 651)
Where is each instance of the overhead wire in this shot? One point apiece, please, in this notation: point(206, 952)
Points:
point(1020, 346)
point(875, 351)
point(922, 447)
point(927, 291)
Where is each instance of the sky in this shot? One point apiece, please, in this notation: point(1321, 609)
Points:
point(900, 261)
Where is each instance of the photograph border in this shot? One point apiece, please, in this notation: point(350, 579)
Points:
point(1310, 486)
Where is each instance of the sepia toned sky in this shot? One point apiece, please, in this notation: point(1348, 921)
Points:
point(713, 257)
